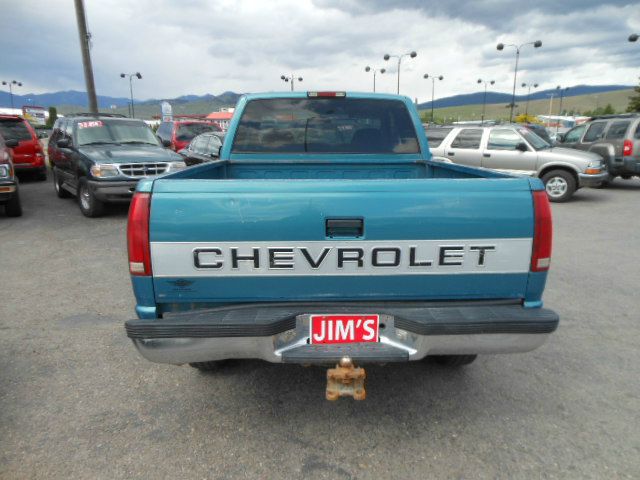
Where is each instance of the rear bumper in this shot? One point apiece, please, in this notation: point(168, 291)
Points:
point(280, 333)
point(624, 166)
point(120, 191)
point(586, 180)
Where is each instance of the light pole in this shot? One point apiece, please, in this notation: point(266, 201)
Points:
point(500, 46)
point(526, 108)
point(433, 89)
point(484, 97)
point(375, 70)
point(399, 57)
point(11, 84)
point(290, 78)
point(561, 90)
point(131, 75)
point(633, 37)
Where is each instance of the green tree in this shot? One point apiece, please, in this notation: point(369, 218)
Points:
point(608, 110)
point(53, 116)
point(634, 102)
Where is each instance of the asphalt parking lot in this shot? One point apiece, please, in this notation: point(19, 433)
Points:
point(77, 401)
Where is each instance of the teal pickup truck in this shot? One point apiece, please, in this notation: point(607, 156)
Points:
point(325, 234)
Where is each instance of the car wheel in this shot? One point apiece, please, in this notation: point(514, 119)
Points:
point(90, 206)
point(211, 366)
point(559, 184)
point(57, 185)
point(453, 360)
point(13, 208)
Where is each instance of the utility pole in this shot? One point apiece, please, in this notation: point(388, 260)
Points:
point(86, 56)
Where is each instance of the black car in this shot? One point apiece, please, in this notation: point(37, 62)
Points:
point(203, 148)
point(9, 189)
point(100, 159)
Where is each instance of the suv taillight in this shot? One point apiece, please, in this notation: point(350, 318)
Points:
point(627, 148)
point(542, 232)
point(138, 234)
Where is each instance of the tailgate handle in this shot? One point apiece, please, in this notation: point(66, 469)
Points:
point(344, 227)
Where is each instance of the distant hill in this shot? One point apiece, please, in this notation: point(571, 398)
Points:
point(497, 97)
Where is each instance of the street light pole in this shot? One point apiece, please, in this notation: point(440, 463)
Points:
point(375, 70)
point(500, 46)
point(290, 78)
point(11, 84)
point(484, 97)
point(131, 75)
point(433, 89)
point(526, 108)
point(86, 56)
point(399, 57)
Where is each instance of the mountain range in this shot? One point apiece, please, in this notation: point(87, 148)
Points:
point(79, 99)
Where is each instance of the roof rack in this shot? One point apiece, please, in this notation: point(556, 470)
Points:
point(88, 114)
point(615, 115)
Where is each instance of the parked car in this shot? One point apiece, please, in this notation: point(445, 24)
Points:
point(28, 156)
point(325, 233)
point(517, 149)
point(177, 134)
point(539, 130)
point(615, 137)
point(100, 159)
point(9, 189)
point(203, 148)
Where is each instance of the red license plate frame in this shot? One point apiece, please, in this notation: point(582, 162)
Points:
point(327, 329)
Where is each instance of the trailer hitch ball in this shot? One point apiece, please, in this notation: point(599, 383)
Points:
point(345, 380)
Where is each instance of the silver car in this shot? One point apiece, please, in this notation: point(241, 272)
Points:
point(516, 149)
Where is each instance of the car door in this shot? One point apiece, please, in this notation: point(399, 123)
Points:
point(594, 133)
point(465, 147)
point(502, 152)
point(573, 136)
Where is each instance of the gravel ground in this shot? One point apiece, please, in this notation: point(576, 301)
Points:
point(77, 401)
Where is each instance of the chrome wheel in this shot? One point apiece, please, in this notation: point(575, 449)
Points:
point(556, 187)
point(85, 198)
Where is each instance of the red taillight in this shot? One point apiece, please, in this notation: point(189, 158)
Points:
point(138, 235)
point(627, 148)
point(542, 232)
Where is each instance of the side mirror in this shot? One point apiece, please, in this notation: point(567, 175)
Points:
point(64, 143)
point(522, 147)
point(12, 143)
point(560, 138)
point(166, 143)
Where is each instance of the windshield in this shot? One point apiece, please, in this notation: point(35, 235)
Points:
point(186, 131)
point(325, 125)
point(114, 131)
point(534, 140)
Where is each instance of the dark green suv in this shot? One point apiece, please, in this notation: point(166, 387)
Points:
point(100, 159)
point(615, 137)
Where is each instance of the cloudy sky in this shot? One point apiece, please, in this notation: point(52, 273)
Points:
point(211, 46)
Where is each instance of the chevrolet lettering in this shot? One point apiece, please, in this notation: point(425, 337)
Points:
point(325, 234)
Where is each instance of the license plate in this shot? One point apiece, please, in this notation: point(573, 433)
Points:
point(343, 328)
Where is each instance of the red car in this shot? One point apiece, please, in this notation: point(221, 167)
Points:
point(28, 156)
point(177, 134)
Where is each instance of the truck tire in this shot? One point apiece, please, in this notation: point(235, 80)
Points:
point(90, 206)
point(211, 366)
point(559, 184)
point(13, 208)
point(57, 185)
point(453, 360)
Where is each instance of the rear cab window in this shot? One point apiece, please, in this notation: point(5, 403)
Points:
point(326, 125)
point(468, 138)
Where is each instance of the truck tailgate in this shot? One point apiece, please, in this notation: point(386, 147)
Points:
point(234, 241)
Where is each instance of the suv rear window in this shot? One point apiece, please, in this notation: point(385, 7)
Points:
point(187, 131)
point(617, 130)
point(14, 130)
point(436, 135)
point(326, 125)
point(468, 138)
